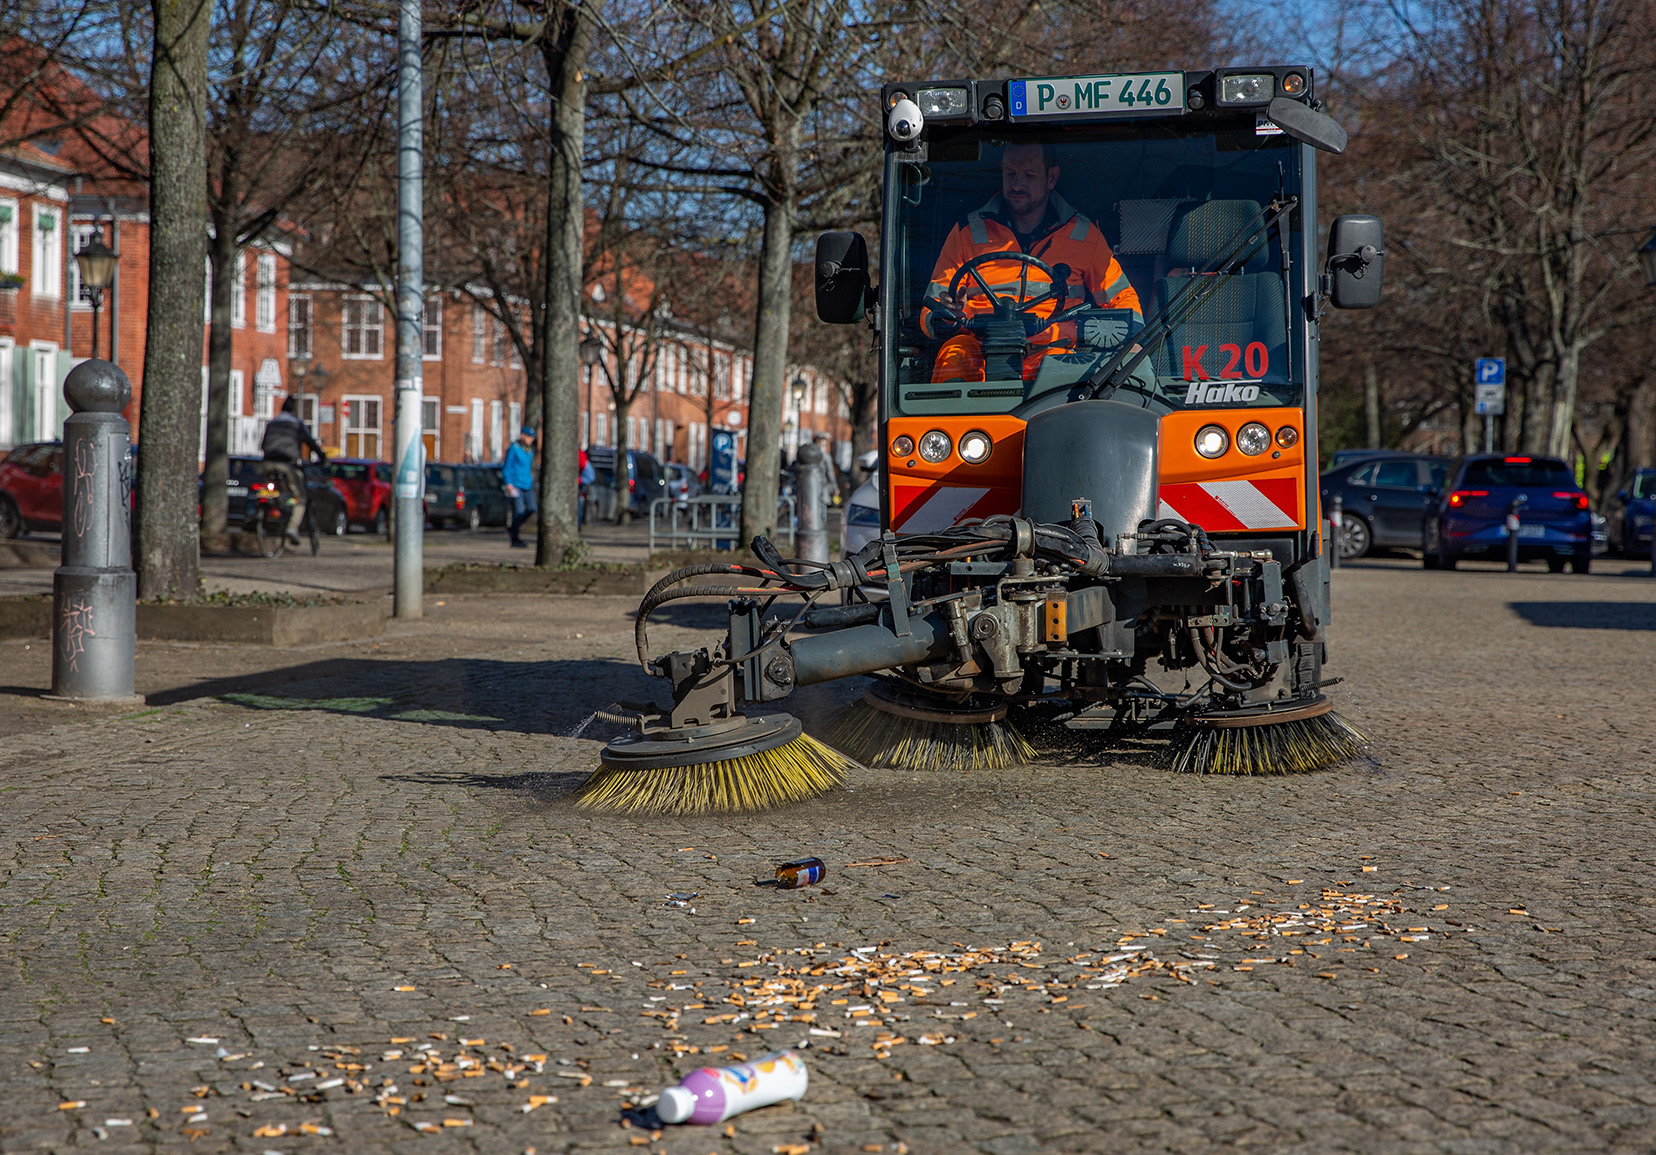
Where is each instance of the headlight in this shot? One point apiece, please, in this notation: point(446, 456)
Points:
point(1287, 437)
point(1253, 439)
point(903, 446)
point(1212, 441)
point(1249, 88)
point(975, 447)
point(936, 446)
point(943, 102)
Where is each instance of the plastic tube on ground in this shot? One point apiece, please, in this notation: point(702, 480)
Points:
point(713, 1094)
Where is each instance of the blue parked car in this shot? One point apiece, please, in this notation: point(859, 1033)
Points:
point(1631, 514)
point(1467, 519)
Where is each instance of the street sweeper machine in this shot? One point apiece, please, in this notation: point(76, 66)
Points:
point(1096, 309)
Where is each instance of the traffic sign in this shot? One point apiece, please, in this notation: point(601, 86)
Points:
point(1490, 371)
point(1490, 400)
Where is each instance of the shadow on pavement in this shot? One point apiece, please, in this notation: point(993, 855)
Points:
point(1588, 615)
point(539, 786)
point(551, 697)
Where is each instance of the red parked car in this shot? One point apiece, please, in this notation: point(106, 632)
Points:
point(31, 488)
point(367, 488)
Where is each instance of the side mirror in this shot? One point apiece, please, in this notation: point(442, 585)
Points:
point(1356, 261)
point(841, 277)
point(1307, 125)
point(870, 461)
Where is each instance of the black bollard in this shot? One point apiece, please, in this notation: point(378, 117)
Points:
point(811, 491)
point(1512, 524)
point(94, 591)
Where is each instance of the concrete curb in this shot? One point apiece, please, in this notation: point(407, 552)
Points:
point(528, 580)
point(267, 625)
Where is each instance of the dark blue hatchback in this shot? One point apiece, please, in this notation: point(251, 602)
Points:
point(1468, 517)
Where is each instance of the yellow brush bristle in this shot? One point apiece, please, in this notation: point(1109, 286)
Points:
point(876, 738)
point(797, 770)
point(1295, 747)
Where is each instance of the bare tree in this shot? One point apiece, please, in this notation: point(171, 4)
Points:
point(168, 554)
point(284, 95)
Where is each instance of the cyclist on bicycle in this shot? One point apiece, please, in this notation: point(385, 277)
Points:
point(286, 438)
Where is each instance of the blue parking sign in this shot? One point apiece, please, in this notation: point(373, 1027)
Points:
point(1491, 371)
point(722, 477)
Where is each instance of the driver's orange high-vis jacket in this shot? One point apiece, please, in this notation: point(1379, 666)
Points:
point(1068, 238)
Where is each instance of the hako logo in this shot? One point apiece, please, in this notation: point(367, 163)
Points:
point(1221, 393)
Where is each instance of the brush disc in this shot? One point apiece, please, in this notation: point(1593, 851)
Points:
point(745, 765)
point(1302, 736)
point(896, 730)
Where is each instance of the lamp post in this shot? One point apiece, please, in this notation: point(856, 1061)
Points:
point(96, 263)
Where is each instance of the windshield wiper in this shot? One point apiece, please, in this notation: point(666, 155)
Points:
point(1200, 285)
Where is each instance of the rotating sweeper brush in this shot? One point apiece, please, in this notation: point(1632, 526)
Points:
point(897, 728)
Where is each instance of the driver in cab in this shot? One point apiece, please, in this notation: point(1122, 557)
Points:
point(1027, 220)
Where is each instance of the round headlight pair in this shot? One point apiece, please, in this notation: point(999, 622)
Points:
point(935, 447)
point(1252, 439)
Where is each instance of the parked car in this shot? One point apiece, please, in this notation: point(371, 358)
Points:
point(860, 516)
point(646, 480)
point(1467, 519)
point(1382, 500)
point(682, 482)
point(326, 503)
point(445, 498)
point(366, 486)
point(1353, 456)
point(31, 488)
point(1631, 513)
point(486, 494)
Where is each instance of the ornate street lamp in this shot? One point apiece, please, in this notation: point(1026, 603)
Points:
point(96, 263)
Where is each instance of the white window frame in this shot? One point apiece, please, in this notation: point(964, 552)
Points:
point(7, 347)
point(301, 334)
point(431, 421)
point(264, 305)
point(46, 272)
point(9, 248)
point(362, 329)
point(497, 443)
point(353, 426)
point(238, 382)
point(479, 319)
point(238, 292)
point(514, 419)
point(431, 330)
point(497, 351)
point(474, 435)
point(80, 298)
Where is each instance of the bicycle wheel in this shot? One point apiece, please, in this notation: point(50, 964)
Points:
point(271, 534)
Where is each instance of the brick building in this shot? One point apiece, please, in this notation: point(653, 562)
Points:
point(57, 190)
point(475, 383)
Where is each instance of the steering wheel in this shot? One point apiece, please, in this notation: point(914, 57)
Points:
point(1002, 309)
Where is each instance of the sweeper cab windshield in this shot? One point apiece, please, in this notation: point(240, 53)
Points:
point(1192, 227)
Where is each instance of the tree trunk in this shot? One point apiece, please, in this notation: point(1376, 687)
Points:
point(1371, 406)
point(770, 365)
point(623, 442)
point(557, 527)
point(215, 498)
point(1564, 403)
point(168, 554)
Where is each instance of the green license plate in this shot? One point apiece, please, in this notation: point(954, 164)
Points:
point(1123, 94)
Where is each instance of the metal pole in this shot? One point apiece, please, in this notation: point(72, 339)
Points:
point(94, 591)
point(1489, 433)
point(97, 302)
point(410, 446)
point(1512, 523)
point(810, 490)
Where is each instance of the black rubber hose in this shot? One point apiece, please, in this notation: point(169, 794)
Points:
point(838, 617)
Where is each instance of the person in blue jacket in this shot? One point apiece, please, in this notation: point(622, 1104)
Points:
point(519, 477)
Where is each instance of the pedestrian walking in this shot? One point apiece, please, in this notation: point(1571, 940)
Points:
point(519, 476)
point(585, 478)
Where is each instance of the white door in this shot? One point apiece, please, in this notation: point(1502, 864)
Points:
point(8, 432)
point(44, 376)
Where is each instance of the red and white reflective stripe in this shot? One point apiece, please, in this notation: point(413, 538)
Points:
point(943, 506)
point(1233, 506)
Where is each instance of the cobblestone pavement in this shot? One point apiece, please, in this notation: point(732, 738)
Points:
point(339, 899)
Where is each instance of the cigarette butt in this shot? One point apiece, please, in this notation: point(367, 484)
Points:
point(71, 1104)
point(542, 1011)
point(1400, 957)
point(402, 988)
point(1370, 869)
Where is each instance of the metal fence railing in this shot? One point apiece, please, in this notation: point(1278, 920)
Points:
point(711, 521)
